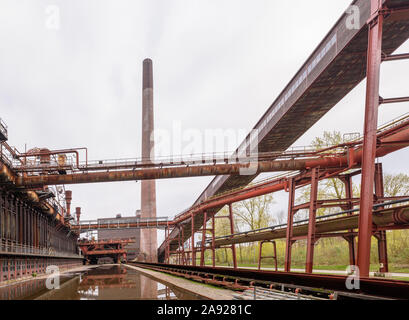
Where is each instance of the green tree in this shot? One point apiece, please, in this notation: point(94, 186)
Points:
point(396, 185)
point(254, 213)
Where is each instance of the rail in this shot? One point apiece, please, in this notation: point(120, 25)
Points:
point(3, 129)
point(322, 285)
point(36, 167)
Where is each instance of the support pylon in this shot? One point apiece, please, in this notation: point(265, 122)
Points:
point(311, 223)
point(381, 235)
point(350, 238)
point(290, 220)
point(369, 141)
point(203, 249)
point(233, 246)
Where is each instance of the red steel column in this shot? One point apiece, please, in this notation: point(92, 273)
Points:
point(369, 142)
point(213, 241)
point(184, 261)
point(289, 241)
point(275, 255)
point(351, 239)
point(202, 253)
point(233, 246)
point(311, 223)
point(148, 187)
point(167, 245)
point(381, 235)
point(259, 254)
point(178, 251)
point(192, 245)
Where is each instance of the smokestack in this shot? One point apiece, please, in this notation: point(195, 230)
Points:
point(78, 213)
point(68, 198)
point(148, 187)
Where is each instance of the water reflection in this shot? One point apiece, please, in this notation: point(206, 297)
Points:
point(106, 282)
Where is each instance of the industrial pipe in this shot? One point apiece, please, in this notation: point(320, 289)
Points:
point(352, 158)
point(393, 216)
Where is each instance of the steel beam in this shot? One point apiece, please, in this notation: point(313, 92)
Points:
point(393, 100)
point(387, 218)
point(396, 57)
point(369, 144)
point(311, 223)
point(192, 245)
point(350, 238)
point(290, 220)
point(387, 141)
point(202, 249)
point(233, 246)
point(381, 234)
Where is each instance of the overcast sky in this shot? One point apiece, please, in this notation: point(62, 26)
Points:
point(217, 65)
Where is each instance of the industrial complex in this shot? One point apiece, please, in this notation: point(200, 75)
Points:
point(39, 228)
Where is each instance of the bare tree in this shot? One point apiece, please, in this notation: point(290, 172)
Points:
point(254, 213)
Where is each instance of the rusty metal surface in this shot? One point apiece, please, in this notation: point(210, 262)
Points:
point(338, 72)
point(374, 57)
point(395, 131)
point(341, 69)
point(381, 288)
point(340, 160)
point(386, 217)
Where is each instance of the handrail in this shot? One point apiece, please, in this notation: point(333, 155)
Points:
point(26, 249)
point(3, 127)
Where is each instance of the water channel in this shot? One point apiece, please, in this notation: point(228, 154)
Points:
point(105, 282)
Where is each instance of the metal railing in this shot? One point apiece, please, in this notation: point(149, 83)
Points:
point(3, 128)
point(36, 167)
point(122, 223)
point(25, 249)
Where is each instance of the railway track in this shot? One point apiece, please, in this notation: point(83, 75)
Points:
point(315, 286)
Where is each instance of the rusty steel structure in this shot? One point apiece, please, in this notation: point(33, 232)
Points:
point(348, 165)
point(344, 58)
point(320, 285)
point(96, 249)
point(34, 224)
point(34, 229)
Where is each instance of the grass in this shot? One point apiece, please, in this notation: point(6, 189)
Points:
point(392, 267)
